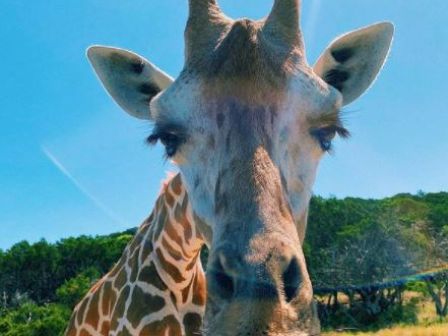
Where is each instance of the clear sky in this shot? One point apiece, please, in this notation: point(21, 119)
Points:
point(72, 163)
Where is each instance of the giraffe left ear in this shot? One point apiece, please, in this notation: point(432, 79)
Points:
point(352, 61)
point(131, 80)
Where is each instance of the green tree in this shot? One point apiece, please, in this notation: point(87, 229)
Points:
point(32, 320)
point(73, 290)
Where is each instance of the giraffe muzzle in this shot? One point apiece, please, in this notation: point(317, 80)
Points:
point(261, 291)
point(229, 277)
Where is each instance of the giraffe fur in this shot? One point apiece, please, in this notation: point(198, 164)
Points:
point(158, 285)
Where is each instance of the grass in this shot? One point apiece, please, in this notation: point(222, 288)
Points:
point(426, 324)
point(431, 330)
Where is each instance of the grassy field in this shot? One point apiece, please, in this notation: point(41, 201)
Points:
point(427, 323)
point(431, 330)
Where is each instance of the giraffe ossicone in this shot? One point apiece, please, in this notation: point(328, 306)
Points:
point(247, 122)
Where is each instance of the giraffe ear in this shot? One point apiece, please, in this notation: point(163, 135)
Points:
point(352, 61)
point(130, 79)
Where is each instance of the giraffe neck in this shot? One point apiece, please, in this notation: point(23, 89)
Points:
point(176, 245)
point(158, 286)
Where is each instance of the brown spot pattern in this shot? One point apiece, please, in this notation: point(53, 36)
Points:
point(185, 203)
point(109, 298)
point(173, 299)
point(85, 333)
point(172, 270)
point(124, 332)
point(192, 262)
point(96, 286)
point(179, 215)
point(168, 326)
point(136, 241)
point(176, 184)
point(93, 315)
point(105, 328)
point(160, 222)
point(71, 330)
point(176, 255)
point(141, 304)
point(81, 310)
point(172, 233)
point(112, 306)
point(120, 307)
point(121, 279)
point(199, 289)
point(169, 198)
point(186, 291)
point(192, 324)
point(147, 249)
point(186, 225)
point(134, 265)
point(150, 275)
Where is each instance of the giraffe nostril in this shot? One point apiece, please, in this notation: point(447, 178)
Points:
point(222, 283)
point(292, 280)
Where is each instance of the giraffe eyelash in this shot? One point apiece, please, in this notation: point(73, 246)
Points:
point(171, 140)
point(325, 135)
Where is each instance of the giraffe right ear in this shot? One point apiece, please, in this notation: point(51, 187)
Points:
point(351, 62)
point(131, 80)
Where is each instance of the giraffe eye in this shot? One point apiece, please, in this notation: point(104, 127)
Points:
point(171, 141)
point(324, 136)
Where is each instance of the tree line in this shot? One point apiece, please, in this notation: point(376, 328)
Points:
point(353, 247)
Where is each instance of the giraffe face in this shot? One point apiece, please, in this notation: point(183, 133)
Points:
point(217, 138)
point(247, 122)
point(249, 164)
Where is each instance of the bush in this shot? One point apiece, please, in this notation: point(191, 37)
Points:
point(32, 320)
point(73, 290)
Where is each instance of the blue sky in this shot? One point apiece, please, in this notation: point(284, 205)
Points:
point(72, 163)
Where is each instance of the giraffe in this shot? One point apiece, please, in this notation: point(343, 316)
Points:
point(145, 294)
point(247, 122)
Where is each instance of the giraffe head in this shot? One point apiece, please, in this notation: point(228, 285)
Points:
point(247, 122)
